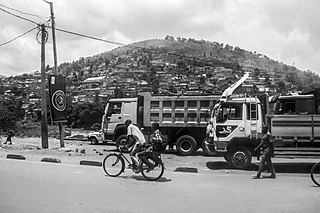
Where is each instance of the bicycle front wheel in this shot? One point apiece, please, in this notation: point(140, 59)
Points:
point(113, 165)
point(315, 174)
point(153, 173)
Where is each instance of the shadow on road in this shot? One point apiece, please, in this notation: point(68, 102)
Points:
point(279, 167)
point(216, 165)
point(141, 178)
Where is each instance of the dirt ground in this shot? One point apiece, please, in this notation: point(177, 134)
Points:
point(76, 151)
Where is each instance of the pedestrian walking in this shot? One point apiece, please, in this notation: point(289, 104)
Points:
point(268, 149)
point(9, 136)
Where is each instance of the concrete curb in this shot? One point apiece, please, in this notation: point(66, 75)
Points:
point(51, 160)
point(186, 169)
point(90, 163)
point(15, 156)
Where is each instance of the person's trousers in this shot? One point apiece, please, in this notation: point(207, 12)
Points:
point(266, 159)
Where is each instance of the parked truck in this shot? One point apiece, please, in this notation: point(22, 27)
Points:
point(235, 126)
point(182, 119)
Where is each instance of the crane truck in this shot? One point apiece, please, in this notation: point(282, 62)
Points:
point(182, 119)
point(235, 125)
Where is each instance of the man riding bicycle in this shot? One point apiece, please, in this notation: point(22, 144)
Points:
point(133, 132)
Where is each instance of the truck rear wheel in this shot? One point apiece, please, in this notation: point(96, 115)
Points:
point(208, 147)
point(186, 145)
point(239, 157)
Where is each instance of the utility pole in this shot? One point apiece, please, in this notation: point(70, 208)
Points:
point(44, 124)
point(61, 129)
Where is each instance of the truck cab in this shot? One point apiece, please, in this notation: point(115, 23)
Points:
point(234, 128)
point(117, 111)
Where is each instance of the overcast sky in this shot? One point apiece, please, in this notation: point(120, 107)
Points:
point(284, 30)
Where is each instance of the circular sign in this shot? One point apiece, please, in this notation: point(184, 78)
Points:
point(59, 100)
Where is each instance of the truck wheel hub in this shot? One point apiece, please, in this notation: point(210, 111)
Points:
point(240, 158)
point(185, 145)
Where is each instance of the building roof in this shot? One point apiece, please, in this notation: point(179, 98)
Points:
point(94, 79)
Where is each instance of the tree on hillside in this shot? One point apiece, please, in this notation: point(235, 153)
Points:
point(7, 119)
point(256, 73)
point(315, 85)
point(281, 86)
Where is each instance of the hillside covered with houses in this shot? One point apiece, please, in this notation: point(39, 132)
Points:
point(170, 66)
point(183, 67)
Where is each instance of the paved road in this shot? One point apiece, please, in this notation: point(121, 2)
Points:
point(28, 186)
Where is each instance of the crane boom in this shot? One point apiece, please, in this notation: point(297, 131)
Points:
point(228, 92)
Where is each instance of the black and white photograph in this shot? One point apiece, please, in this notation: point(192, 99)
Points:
point(140, 106)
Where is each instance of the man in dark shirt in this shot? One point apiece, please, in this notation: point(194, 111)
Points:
point(267, 145)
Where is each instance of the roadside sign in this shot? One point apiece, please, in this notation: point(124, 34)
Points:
point(58, 99)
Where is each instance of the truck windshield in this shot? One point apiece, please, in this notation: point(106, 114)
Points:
point(229, 111)
point(114, 108)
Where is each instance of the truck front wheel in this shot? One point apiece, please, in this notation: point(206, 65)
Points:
point(186, 145)
point(239, 157)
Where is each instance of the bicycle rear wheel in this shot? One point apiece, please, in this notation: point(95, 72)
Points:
point(113, 165)
point(315, 174)
point(152, 173)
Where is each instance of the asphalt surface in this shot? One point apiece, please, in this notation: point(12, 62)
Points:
point(83, 153)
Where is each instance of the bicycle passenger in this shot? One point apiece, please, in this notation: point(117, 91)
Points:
point(140, 141)
point(157, 139)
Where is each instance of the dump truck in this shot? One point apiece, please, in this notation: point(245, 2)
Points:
point(182, 119)
point(235, 125)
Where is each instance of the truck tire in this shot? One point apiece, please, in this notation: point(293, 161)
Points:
point(121, 140)
point(208, 148)
point(93, 141)
point(239, 157)
point(186, 145)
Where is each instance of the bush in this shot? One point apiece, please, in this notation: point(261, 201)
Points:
point(7, 119)
point(96, 126)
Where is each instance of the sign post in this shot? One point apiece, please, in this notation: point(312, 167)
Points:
point(44, 125)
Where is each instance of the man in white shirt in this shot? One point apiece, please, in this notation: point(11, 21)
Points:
point(134, 131)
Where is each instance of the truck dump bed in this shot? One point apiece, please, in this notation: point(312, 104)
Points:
point(178, 111)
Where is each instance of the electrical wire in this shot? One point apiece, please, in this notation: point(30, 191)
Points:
point(91, 37)
point(18, 36)
point(19, 16)
point(29, 14)
point(42, 30)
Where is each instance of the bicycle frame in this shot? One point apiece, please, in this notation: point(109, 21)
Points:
point(142, 157)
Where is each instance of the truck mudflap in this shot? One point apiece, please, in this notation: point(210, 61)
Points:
point(220, 146)
point(208, 147)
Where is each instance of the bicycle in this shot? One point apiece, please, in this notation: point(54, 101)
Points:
point(315, 173)
point(149, 164)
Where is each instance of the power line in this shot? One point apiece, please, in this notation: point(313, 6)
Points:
point(91, 37)
point(29, 14)
point(19, 16)
point(18, 36)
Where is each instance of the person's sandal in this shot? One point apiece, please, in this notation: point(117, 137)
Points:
point(256, 177)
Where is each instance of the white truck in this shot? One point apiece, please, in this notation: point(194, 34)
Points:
point(182, 119)
point(235, 125)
